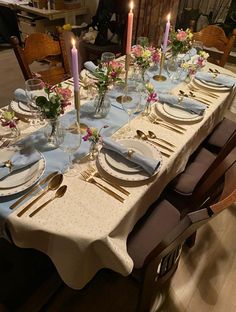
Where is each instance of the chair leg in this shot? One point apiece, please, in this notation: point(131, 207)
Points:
point(190, 241)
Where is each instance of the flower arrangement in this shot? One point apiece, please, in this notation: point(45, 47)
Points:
point(8, 119)
point(144, 57)
point(151, 96)
point(180, 40)
point(93, 134)
point(106, 74)
point(54, 103)
point(198, 62)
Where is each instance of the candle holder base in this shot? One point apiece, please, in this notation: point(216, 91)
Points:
point(159, 78)
point(123, 99)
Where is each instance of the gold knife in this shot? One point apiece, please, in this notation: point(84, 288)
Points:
point(42, 182)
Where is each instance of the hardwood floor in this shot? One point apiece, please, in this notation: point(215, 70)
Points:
point(205, 279)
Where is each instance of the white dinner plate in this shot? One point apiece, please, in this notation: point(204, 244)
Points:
point(176, 113)
point(120, 163)
point(211, 86)
point(128, 176)
point(17, 109)
point(22, 179)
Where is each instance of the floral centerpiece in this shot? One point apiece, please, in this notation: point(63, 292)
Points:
point(151, 97)
point(9, 120)
point(52, 105)
point(93, 135)
point(145, 57)
point(198, 61)
point(106, 74)
point(180, 41)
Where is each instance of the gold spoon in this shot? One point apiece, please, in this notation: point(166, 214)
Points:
point(144, 137)
point(52, 186)
point(59, 193)
point(152, 135)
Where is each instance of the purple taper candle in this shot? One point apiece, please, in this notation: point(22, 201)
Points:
point(166, 35)
point(75, 67)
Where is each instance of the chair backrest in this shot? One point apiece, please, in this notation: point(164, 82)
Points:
point(213, 36)
point(41, 47)
point(162, 262)
point(210, 184)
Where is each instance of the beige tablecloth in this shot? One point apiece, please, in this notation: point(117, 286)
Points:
point(87, 229)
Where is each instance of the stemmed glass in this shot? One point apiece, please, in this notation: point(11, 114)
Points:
point(35, 87)
point(69, 141)
point(107, 57)
point(131, 107)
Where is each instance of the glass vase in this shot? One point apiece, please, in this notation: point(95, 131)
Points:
point(51, 131)
point(93, 150)
point(102, 105)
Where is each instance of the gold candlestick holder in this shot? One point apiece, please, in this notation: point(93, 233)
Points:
point(82, 126)
point(160, 77)
point(125, 98)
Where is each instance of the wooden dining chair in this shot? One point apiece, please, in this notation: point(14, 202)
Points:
point(156, 242)
point(220, 135)
point(213, 36)
point(202, 178)
point(118, 27)
point(40, 47)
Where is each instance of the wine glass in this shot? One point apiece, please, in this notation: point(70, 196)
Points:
point(107, 57)
point(35, 87)
point(130, 106)
point(198, 45)
point(69, 141)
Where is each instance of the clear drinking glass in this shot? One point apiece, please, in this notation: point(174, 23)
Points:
point(35, 87)
point(198, 45)
point(107, 57)
point(131, 106)
point(143, 41)
point(70, 141)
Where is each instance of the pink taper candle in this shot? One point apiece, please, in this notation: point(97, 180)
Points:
point(130, 29)
point(166, 35)
point(75, 67)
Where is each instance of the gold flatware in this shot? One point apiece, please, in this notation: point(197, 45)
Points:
point(5, 144)
point(193, 96)
point(155, 120)
point(144, 137)
point(59, 193)
point(95, 173)
point(152, 135)
point(42, 182)
point(88, 178)
point(53, 184)
point(195, 89)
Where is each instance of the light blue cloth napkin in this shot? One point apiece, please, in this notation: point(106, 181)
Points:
point(90, 66)
point(19, 160)
point(148, 164)
point(185, 103)
point(20, 95)
point(220, 79)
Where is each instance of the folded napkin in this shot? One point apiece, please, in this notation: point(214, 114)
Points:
point(189, 55)
point(224, 80)
point(21, 96)
point(90, 66)
point(19, 160)
point(148, 164)
point(185, 103)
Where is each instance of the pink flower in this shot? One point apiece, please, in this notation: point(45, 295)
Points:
point(181, 35)
point(152, 97)
point(64, 92)
point(137, 50)
point(155, 57)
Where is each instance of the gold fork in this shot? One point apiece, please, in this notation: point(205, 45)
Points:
point(195, 89)
point(95, 173)
point(89, 178)
point(164, 124)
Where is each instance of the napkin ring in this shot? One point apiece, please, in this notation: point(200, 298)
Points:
point(130, 153)
point(8, 164)
point(180, 99)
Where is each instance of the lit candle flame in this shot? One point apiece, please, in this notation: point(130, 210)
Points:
point(131, 6)
point(73, 42)
point(168, 17)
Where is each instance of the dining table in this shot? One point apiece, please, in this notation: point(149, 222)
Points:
point(87, 229)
